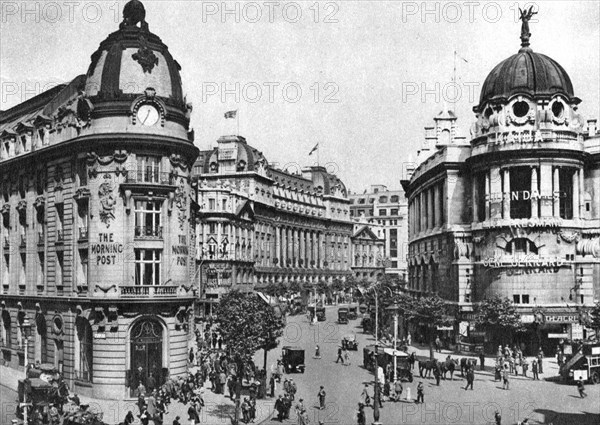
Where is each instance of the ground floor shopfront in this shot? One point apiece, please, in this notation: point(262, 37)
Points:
point(102, 350)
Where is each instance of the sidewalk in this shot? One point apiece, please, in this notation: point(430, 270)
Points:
point(218, 409)
point(550, 363)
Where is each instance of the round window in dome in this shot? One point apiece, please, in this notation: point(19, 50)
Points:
point(520, 109)
point(488, 112)
point(558, 109)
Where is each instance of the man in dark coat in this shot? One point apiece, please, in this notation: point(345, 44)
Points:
point(321, 396)
point(280, 407)
point(339, 355)
point(470, 378)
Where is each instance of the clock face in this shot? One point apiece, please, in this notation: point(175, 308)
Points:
point(148, 115)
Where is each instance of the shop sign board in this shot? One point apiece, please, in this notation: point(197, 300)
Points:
point(527, 318)
point(558, 336)
point(561, 318)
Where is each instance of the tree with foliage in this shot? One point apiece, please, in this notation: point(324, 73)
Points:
point(275, 289)
point(499, 317)
point(247, 324)
point(432, 310)
point(595, 319)
point(294, 287)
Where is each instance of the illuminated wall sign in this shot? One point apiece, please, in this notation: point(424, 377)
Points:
point(524, 195)
point(521, 137)
point(524, 223)
point(525, 261)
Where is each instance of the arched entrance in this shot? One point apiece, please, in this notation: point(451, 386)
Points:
point(146, 353)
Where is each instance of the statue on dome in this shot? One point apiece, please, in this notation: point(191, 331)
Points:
point(134, 13)
point(525, 17)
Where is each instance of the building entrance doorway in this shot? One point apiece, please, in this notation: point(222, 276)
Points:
point(146, 354)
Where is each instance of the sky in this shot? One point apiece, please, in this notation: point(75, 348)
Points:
point(360, 78)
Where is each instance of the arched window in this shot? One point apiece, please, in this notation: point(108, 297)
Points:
point(84, 350)
point(6, 342)
point(41, 342)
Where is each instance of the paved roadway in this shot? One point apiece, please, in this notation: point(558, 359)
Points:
point(543, 402)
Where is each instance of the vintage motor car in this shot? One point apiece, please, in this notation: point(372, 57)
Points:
point(352, 313)
point(343, 315)
point(293, 359)
point(320, 312)
point(349, 342)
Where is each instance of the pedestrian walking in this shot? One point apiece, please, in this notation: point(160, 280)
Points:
point(470, 378)
point(317, 352)
point(280, 408)
point(176, 421)
point(321, 397)
point(534, 370)
point(409, 339)
point(525, 365)
point(339, 355)
point(540, 357)
point(438, 344)
point(581, 388)
point(437, 375)
point(346, 358)
point(220, 342)
point(398, 390)
point(498, 418)
point(505, 378)
point(420, 393)
point(364, 396)
point(482, 360)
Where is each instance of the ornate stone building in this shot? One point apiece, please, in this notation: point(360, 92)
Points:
point(387, 209)
point(368, 250)
point(514, 211)
point(259, 224)
point(95, 205)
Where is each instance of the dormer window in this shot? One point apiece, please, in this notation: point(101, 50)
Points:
point(558, 109)
point(24, 143)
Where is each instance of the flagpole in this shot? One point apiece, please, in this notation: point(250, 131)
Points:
point(237, 118)
point(454, 81)
point(319, 155)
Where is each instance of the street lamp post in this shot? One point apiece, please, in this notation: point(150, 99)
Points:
point(26, 330)
point(376, 390)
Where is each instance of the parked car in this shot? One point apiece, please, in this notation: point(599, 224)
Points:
point(293, 359)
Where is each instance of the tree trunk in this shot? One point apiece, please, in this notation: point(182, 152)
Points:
point(238, 391)
point(431, 342)
point(265, 352)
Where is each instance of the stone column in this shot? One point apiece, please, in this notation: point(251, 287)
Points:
point(581, 193)
point(430, 208)
point(546, 190)
point(556, 192)
point(437, 222)
point(506, 194)
point(284, 245)
point(576, 195)
point(302, 240)
point(474, 198)
point(534, 190)
point(487, 196)
point(319, 261)
point(277, 243)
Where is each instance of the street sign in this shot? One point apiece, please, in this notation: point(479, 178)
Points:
point(558, 336)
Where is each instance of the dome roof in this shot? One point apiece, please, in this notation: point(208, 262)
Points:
point(133, 59)
point(528, 73)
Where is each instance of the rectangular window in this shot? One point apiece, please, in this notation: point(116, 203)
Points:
point(516, 299)
point(394, 264)
point(565, 187)
point(147, 218)
point(224, 203)
point(59, 269)
point(82, 172)
point(82, 269)
point(23, 274)
point(41, 277)
point(525, 299)
point(211, 204)
point(59, 222)
point(6, 272)
point(520, 189)
point(147, 266)
point(212, 228)
point(148, 169)
point(394, 211)
point(382, 212)
point(82, 218)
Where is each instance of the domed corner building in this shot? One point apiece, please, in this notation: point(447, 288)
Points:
point(96, 205)
point(514, 212)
